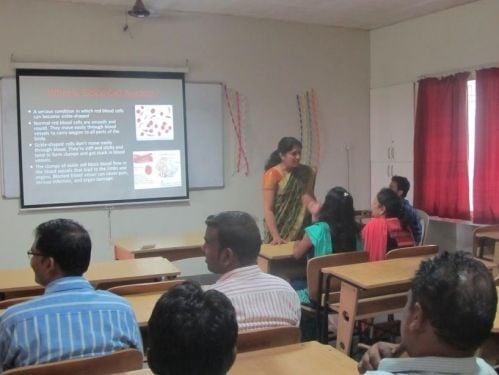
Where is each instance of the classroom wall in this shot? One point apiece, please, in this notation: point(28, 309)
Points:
point(442, 42)
point(438, 44)
point(268, 62)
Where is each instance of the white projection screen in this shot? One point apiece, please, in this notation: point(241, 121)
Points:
point(89, 137)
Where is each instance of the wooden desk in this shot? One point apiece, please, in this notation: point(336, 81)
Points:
point(278, 260)
point(483, 237)
point(366, 276)
point(172, 247)
point(306, 358)
point(372, 276)
point(143, 304)
point(17, 281)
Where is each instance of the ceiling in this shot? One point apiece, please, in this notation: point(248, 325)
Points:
point(360, 14)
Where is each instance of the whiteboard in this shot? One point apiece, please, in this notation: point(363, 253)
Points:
point(204, 121)
point(205, 157)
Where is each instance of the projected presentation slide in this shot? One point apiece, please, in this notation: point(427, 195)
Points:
point(100, 138)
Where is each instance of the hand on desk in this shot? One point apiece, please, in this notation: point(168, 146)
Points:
point(277, 241)
point(370, 360)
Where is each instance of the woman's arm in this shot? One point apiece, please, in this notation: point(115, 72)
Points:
point(313, 206)
point(268, 205)
point(301, 247)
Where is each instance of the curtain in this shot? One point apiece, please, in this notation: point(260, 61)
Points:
point(441, 148)
point(486, 175)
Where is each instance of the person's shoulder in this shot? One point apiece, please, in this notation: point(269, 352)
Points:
point(105, 295)
point(271, 177)
point(485, 368)
point(22, 310)
point(274, 172)
point(318, 226)
point(275, 281)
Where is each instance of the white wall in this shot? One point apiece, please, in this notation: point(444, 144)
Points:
point(445, 42)
point(269, 62)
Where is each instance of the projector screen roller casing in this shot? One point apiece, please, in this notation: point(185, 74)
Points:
point(101, 137)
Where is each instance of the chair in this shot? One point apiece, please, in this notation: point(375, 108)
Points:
point(13, 301)
point(424, 219)
point(414, 251)
point(160, 286)
point(316, 284)
point(267, 338)
point(120, 361)
point(361, 216)
point(479, 242)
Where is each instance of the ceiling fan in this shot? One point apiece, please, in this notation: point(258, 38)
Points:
point(139, 10)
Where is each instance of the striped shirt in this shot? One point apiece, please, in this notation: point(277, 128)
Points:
point(71, 320)
point(260, 300)
point(433, 366)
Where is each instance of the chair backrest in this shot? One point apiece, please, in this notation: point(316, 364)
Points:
point(267, 338)
point(120, 361)
point(314, 266)
point(414, 251)
point(476, 240)
point(424, 219)
point(160, 286)
point(13, 301)
point(362, 215)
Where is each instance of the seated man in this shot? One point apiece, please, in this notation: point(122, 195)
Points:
point(232, 244)
point(192, 332)
point(71, 319)
point(449, 312)
point(401, 186)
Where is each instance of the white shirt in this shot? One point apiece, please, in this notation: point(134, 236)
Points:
point(433, 366)
point(260, 300)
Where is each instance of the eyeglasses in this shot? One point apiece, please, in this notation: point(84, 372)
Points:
point(33, 254)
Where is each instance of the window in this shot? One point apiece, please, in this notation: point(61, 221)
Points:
point(471, 136)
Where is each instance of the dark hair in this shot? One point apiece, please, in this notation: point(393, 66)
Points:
point(403, 184)
point(237, 230)
point(285, 145)
point(338, 212)
point(192, 332)
point(392, 203)
point(458, 296)
point(67, 242)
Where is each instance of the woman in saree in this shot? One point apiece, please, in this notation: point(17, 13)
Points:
point(287, 188)
point(388, 228)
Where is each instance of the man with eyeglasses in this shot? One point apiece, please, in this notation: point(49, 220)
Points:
point(71, 319)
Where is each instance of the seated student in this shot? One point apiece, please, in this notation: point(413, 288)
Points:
point(232, 243)
point(192, 332)
point(449, 313)
point(401, 186)
point(335, 231)
point(387, 229)
point(71, 319)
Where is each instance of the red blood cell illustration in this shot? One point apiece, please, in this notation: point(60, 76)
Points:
point(154, 122)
